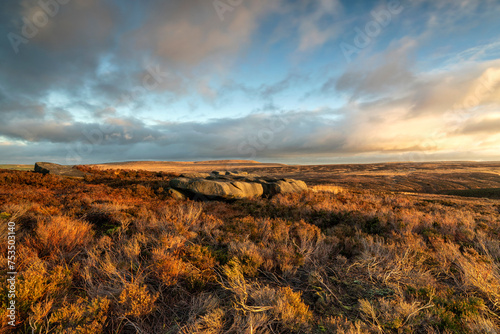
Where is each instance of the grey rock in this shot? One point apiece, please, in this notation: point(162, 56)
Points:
point(236, 186)
point(285, 186)
point(56, 169)
point(179, 183)
point(249, 189)
point(218, 188)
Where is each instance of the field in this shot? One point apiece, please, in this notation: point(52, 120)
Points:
point(379, 248)
point(17, 167)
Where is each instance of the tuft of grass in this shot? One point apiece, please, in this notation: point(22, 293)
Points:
point(63, 235)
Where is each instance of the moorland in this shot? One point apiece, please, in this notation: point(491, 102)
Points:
point(374, 248)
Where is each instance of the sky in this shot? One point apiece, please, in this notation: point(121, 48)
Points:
point(298, 82)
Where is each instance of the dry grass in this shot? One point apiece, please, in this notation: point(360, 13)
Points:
point(63, 235)
point(328, 188)
point(114, 254)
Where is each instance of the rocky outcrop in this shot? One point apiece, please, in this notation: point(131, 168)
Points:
point(217, 188)
point(234, 185)
point(55, 169)
point(285, 186)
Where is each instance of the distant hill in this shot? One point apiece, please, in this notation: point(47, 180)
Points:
point(187, 166)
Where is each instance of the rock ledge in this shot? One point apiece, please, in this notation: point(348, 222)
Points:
point(234, 185)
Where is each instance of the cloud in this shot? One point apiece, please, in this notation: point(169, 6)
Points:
point(485, 125)
point(446, 13)
point(100, 51)
point(391, 107)
point(190, 32)
point(383, 73)
point(317, 27)
point(420, 119)
point(61, 54)
point(282, 136)
point(101, 73)
point(268, 91)
point(113, 130)
point(257, 135)
point(68, 27)
point(476, 53)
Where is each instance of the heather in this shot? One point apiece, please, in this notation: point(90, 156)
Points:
point(113, 253)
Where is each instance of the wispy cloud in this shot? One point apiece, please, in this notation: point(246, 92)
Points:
point(318, 26)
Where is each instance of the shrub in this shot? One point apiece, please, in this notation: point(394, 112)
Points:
point(136, 301)
point(82, 316)
point(63, 235)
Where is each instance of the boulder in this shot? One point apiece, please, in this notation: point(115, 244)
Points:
point(217, 188)
point(235, 186)
point(285, 186)
point(43, 167)
point(55, 169)
point(249, 189)
point(179, 183)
